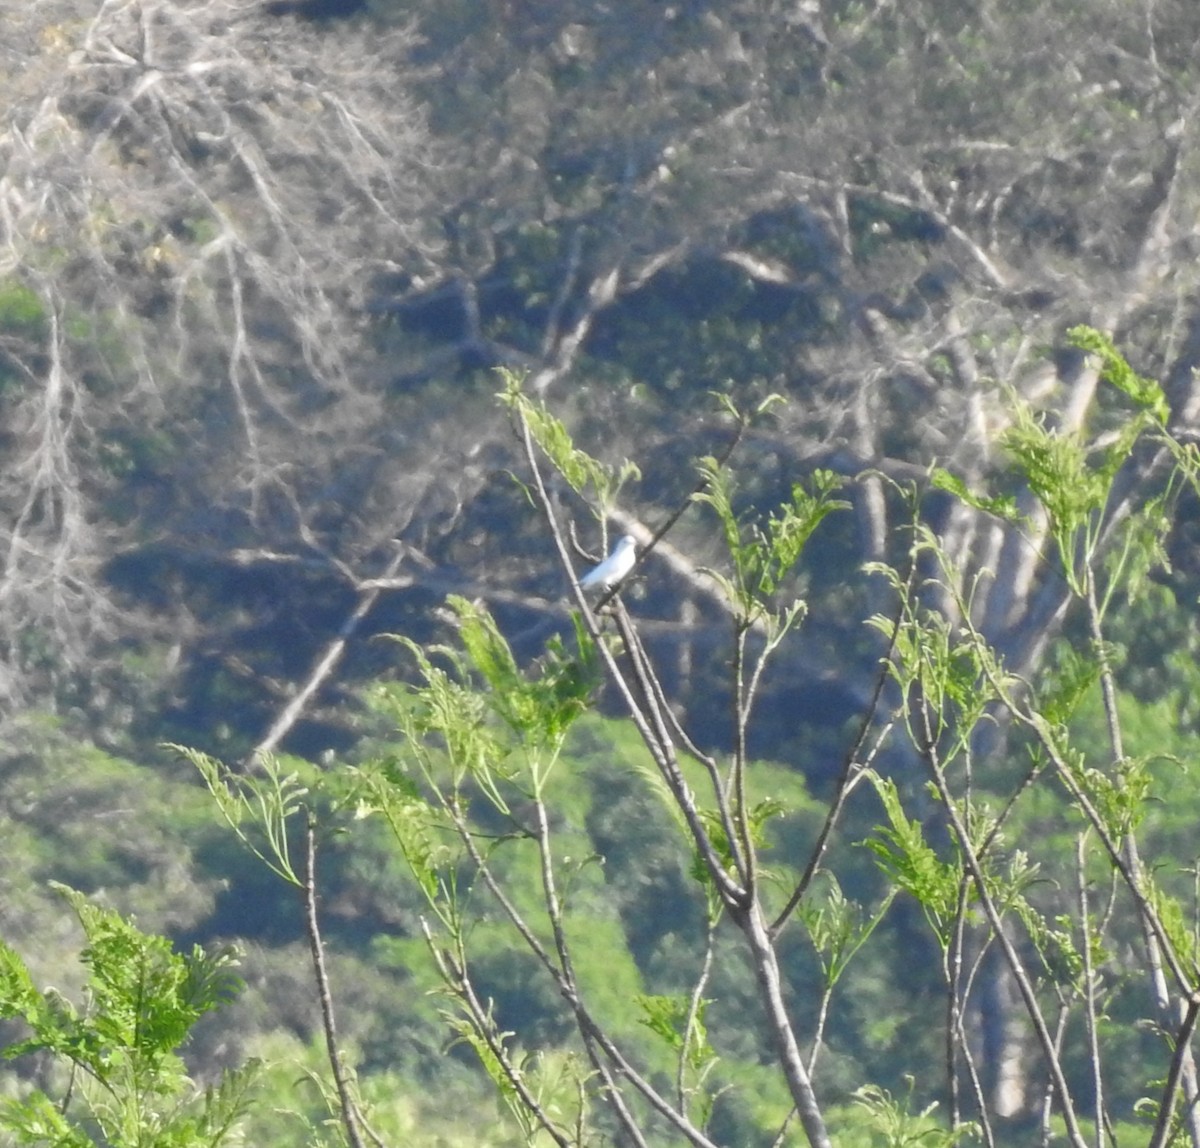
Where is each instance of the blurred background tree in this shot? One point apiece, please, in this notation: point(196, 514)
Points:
point(258, 265)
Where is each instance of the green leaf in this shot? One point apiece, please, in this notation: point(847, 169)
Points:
point(35, 1121)
point(1066, 682)
point(143, 1000)
point(763, 554)
point(838, 928)
point(580, 470)
point(1116, 371)
point(1002, 506)
point(1055, 465)
point(256, 807)
point(903, 853)
point(668, 1018)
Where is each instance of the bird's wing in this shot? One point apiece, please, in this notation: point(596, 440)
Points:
point(614, 567)
point(597, 573)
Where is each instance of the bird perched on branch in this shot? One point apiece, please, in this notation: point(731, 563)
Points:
point(614, 568)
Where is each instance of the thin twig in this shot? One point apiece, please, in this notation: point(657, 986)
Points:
point(454, 973)
point(1089, 986)
point(1183, 1043)
point(694, 1006)
point(588, 1026)
point(741, 809)
point(845, 779)
point(349, 1112)
point(818, 1036)
point(952, 970)
point(1060, 1033)
point(779, 1136)
point(656, 697)
point(981, 1107)
point(1058, 1080)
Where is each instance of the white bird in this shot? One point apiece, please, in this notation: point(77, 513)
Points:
point(614, 568)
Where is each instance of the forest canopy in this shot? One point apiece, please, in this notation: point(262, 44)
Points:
point(874, 326)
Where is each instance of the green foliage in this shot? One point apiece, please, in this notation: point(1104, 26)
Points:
point(954, 682)
point(1072, 474)
point(510, 731)
point(955, 673)
point(1001, 506)
point(1138, 551)
point(538, 710)
point(612, 149)
point(1071, 477)
point(1118, 793)
point(479, 726)
point(545, 855)
point(75, 814)
point(839, 927)
point(895, 1126)
point(22, 312)
point(425, 797)
point(583, 472)
point(679, 1022)
point(259, 810)
point(1146, 394)
point(912, 863)
point(1059, 469)
point(763, 554)
point(143, 1000)
point(1069, 676)
point(1180, 926)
